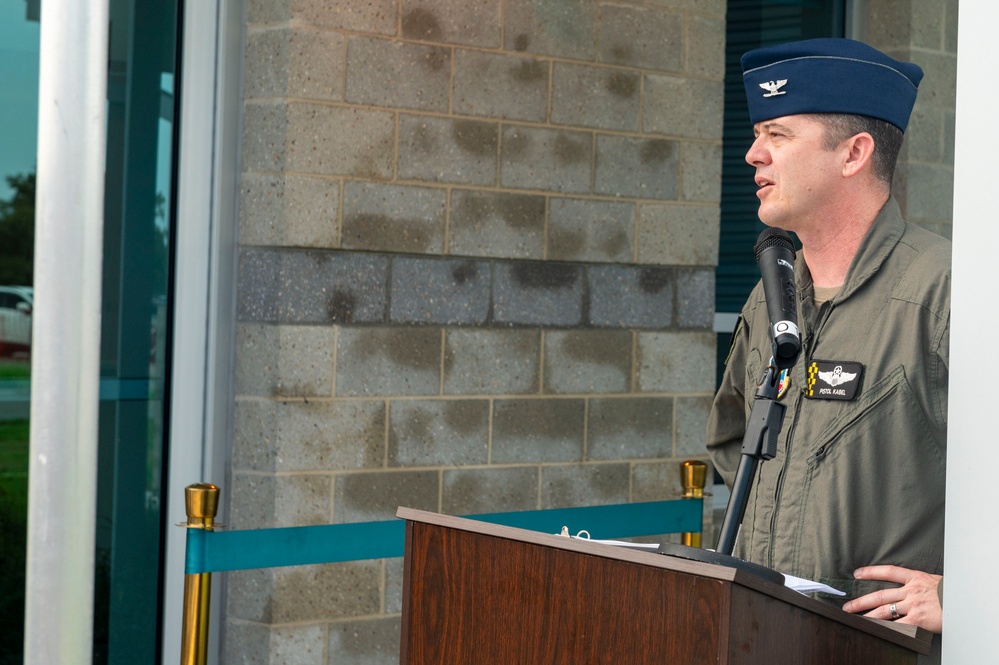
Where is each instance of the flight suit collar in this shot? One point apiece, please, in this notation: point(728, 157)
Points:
point(881, 239)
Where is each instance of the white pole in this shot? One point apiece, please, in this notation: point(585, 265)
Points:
point(66, 337)
point(972, 540)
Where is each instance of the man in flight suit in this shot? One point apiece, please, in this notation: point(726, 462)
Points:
point(855, 495)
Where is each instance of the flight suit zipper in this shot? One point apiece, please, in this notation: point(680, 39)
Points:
point(807, 346)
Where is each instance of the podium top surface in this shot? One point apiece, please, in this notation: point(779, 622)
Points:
point(905, 635)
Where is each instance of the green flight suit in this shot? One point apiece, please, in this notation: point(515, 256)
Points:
point(856, 482)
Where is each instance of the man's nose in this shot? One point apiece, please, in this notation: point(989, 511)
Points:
point(757, 154)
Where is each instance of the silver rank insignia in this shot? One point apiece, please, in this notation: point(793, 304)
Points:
point(833, 379)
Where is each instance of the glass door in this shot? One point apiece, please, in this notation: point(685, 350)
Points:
point(19, 38)
point(135, 327)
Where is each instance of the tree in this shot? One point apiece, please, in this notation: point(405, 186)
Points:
point(17, 231)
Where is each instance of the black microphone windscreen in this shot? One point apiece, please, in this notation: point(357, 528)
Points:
point(773, 237)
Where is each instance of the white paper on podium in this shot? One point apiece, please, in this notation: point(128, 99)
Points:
point(807, 586)
point(798, 584)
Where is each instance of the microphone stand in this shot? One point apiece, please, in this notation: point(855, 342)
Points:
point(758, 445)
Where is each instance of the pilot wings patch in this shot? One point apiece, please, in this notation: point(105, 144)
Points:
point(833, 379)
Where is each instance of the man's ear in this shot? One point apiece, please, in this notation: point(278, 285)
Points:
point(859, 153)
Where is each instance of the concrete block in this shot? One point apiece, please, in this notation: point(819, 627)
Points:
point(298, 645)
point(546, 294)
point(330, 140)
point(447, 150)
point(505, 489)
point(267, 11)
point(547, 159)
point(491, 362)
point(365, 642)
point(939, 85)
point(311, 593)
point(267, 502)
point(393, 585)
point(393, 218)
point(930, 194)
point(247, 643)
point(695, 299)
point(497, 224)
point(924, 137)
point(691, 419)
point(633, 167)
point(711, 7)
point(284, 361)
point(599, 97)
point(367, 497)
point(584, 485)
point(373, 16)
point(316, 139)
point(676, 362)
point(500, 86)
point(642, 37)
point(683, 107)
point(294, 62)
point(656, 481)
point(266, 64)
point(701, 167)
point(928, 24)
point(587, 361)
point(258, 644)
point(311, 286)
point(395, 74)
point(471, 23)
point(450, 291)
point(563, 28)
point(630, 297)
point(627, 428)
point(704, 45)
point(537, 430)
point(388, 361)
point(265, 131)
point(308, 436)
point(593, 231)
point(950, 26)
point(438, 432)
point(290, 211)
point(679, 235)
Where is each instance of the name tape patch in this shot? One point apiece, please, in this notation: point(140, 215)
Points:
point(833, 379)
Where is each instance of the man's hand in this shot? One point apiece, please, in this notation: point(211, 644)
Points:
point(915, 602)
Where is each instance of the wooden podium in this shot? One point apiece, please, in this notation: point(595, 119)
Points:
point(482, 594)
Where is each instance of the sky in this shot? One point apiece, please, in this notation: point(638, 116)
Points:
point(18, 92)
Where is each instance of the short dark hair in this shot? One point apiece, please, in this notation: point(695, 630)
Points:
point(887, 139)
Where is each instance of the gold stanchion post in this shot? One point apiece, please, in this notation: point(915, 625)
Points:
point(693, 475)
point(202, 503)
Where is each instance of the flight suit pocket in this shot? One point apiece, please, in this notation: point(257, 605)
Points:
point(872, 478)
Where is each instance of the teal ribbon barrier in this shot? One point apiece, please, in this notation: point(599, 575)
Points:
point(216, 551)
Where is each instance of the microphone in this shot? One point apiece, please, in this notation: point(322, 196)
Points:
point(775, 256)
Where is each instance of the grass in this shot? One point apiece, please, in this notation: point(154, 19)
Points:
point(13, 535)
point(11, 369)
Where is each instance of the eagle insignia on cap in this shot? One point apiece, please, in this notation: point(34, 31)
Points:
point(773, 88)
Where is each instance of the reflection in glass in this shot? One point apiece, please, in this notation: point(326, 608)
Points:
point(134, 331)
point(19, 37)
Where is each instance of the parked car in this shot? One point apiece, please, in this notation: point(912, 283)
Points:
point(16, 303)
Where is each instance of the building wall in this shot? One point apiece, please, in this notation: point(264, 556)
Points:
point(923, 32)
point(477, 244)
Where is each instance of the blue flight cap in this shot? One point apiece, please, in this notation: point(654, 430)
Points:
point(829, 76)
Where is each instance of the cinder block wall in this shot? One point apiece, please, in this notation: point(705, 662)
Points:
point(924, 32)
point(477, 249)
